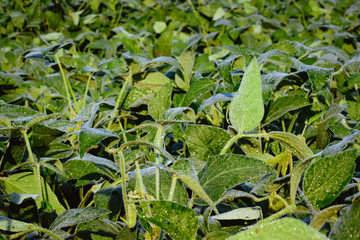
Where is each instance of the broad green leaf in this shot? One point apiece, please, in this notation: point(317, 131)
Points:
point(163, 45)
point(148, 177)
point(169, 60)
point(11, 225)
point(247, 109)
point(347, 63)
point(291, 47)
point(338, 147)
point(204, 141)
point(217, 98)
point(101, 228)
point(283, 105)
point(150, 80)
point(110, 198)
point(223, 172)
point(159, 27)
point(185, 171)
point(348, 224)
point(23, 183)
point(317, 75)
point(186, 59)
point(42, 135)
point(353, 104)
point(294, 143)
point(161, 101)
point(329, 214)
point(197, 88)
point(89, 168)
point(90, 137)
point(284, 229)
point(75, 216)
point(56, 150)
point(12, 111)
point(265, 57)
point(326, 178)
point(246, 213)
point(19, 198)
point(178, 221)
point(179, 113)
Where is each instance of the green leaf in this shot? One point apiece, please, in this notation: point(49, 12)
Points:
point(223, 172)
point(217, 98)
point(197, 88)
point(148, 177)
point(110, 198)
point(23, 183)
point(185, 171)
point(246, 109)
point(291, 47)
point(43, 135)
point(204, 141)
point(160, 102)
point(150, 80)
point(283, 105)
point(75, 216)
point(89, 168)
point(246, 213)
point(14, 111)
point(98, 229)
point(348, 224)
point(326, 178)
point(11, 225)
point(284, 229)
point(317, 75)
point(178, 221)
point(294, 143)
point(90, 137)
point(353, 104)
point(326, 215)
point(163, 45)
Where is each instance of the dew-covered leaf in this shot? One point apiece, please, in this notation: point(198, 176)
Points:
point(150, 80)
point(294, 143)
point(148, 177)
point(11, 225)
point(204, 141)
point(178, 221)
point(222, 172)
point(163, 45)
point(285, 229)
point(75, 216)
point(283, 105)
point(160, 102)
point(197, 88)
point(246, 213)
point(326, 178)
point(348, 224)
point(90, 137)
point(217, 98)
point(291, 47)
point(23, 183)
point(247, 109)
point(12, 111)
point(110, 198)
point(329, 214)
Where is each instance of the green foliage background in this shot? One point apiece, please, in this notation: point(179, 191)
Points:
point(233, 119)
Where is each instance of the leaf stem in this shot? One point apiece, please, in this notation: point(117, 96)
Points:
point(67, 86)
point(172, 187)
point(159, 139)
point(36, 166)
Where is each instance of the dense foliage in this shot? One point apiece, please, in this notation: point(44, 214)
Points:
point(234, 119)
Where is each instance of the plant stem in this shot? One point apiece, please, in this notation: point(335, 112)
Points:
point(123, 181)
point(172, 187)
point(36, 166)
point(158, 142)
point(86, 91)
point(121, 94)
point(230, 143)
point(65, 83)
point(277, 215)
